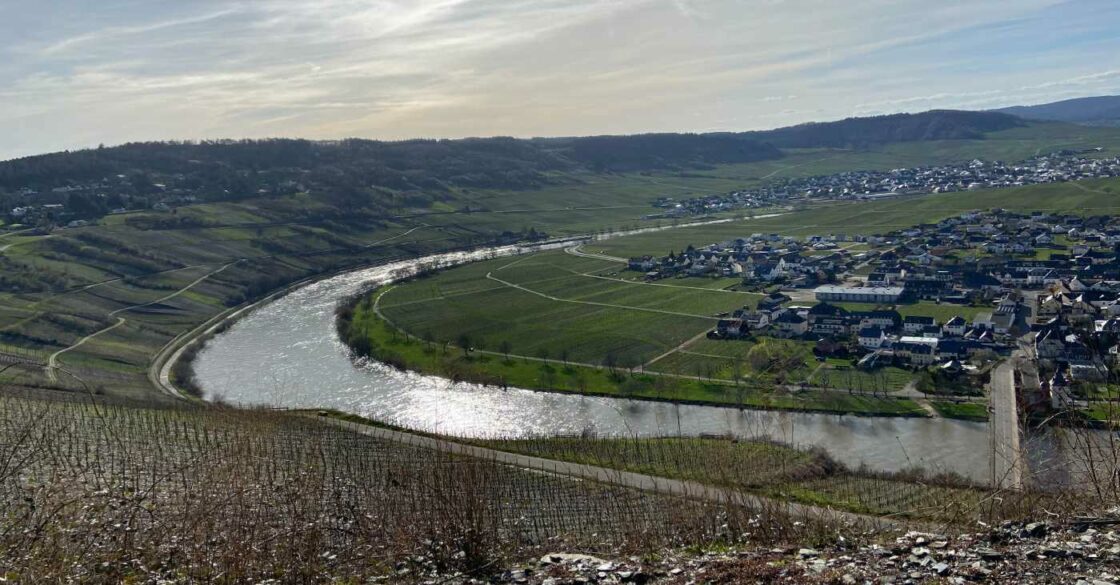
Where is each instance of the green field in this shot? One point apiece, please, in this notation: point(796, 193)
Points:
point(942, 312)
point(565, 304)
point(365, 331)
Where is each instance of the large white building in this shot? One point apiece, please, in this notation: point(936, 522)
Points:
point(859, 294)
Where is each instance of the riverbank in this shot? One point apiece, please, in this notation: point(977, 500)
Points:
point(369, 334)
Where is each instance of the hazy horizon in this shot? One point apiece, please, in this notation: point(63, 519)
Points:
point(76, 75)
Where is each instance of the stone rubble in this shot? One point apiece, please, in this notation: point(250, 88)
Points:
point(1036, 552)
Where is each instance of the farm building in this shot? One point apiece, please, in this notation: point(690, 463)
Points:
point(859, 294)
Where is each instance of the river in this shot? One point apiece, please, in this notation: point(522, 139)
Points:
point(286, 353)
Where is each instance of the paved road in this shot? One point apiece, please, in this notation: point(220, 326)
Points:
point(577, 251)
point(1007, 460)
point(649, 483)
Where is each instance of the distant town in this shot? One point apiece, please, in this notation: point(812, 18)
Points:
point(973, 175)
point(954, 296)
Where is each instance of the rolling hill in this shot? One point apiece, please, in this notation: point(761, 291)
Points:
point(1090, 111)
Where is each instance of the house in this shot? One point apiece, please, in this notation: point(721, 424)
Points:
point(1049, 344)
point(919, 351)
point(730, 328)
point(642, 264)
point(958, 348)
point(1002, 322)
point(754, 320)
point(828, 347)
point(981, 281)
point(929, 331)
point(790, 323)
point(772, 302)
point(882, 319)
point(955, 326)
point(871, 337)
point(916, 323)
point(982, 321)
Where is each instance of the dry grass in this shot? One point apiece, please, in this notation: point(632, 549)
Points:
point(810, 476)
point(111, 492)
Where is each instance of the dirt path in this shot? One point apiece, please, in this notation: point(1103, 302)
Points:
point(638, 283)
point(5, 247)
point(1078, 185)
point(788, 167)
point(490, 275)
point(52, 361)
point(683, 345)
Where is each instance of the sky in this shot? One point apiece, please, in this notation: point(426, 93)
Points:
point(75, 73)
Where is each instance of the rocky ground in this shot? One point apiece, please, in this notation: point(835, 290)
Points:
point(1085, 551)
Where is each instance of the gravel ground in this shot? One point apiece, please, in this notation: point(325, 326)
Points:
point(1081, 552)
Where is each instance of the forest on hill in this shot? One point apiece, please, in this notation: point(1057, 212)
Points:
point(879, 130)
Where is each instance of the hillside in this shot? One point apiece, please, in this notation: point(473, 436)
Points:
point(895, 128)
point(406, 165)
point(111, 493)
point(198, 258)
point(376, 178)
point(1090, 111)
point(108, 492)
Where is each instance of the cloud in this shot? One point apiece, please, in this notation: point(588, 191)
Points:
point(119, 33)
point(127, 70)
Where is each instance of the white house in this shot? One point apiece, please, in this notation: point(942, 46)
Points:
point(955, 326)
point(871, 337)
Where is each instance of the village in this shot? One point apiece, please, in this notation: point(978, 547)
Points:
point(951, 298)
point(973, 175)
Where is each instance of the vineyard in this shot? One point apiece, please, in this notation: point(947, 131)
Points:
point(807, 476)
point(110, 492)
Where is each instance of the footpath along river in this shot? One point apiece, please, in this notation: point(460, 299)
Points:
point(287, 353)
